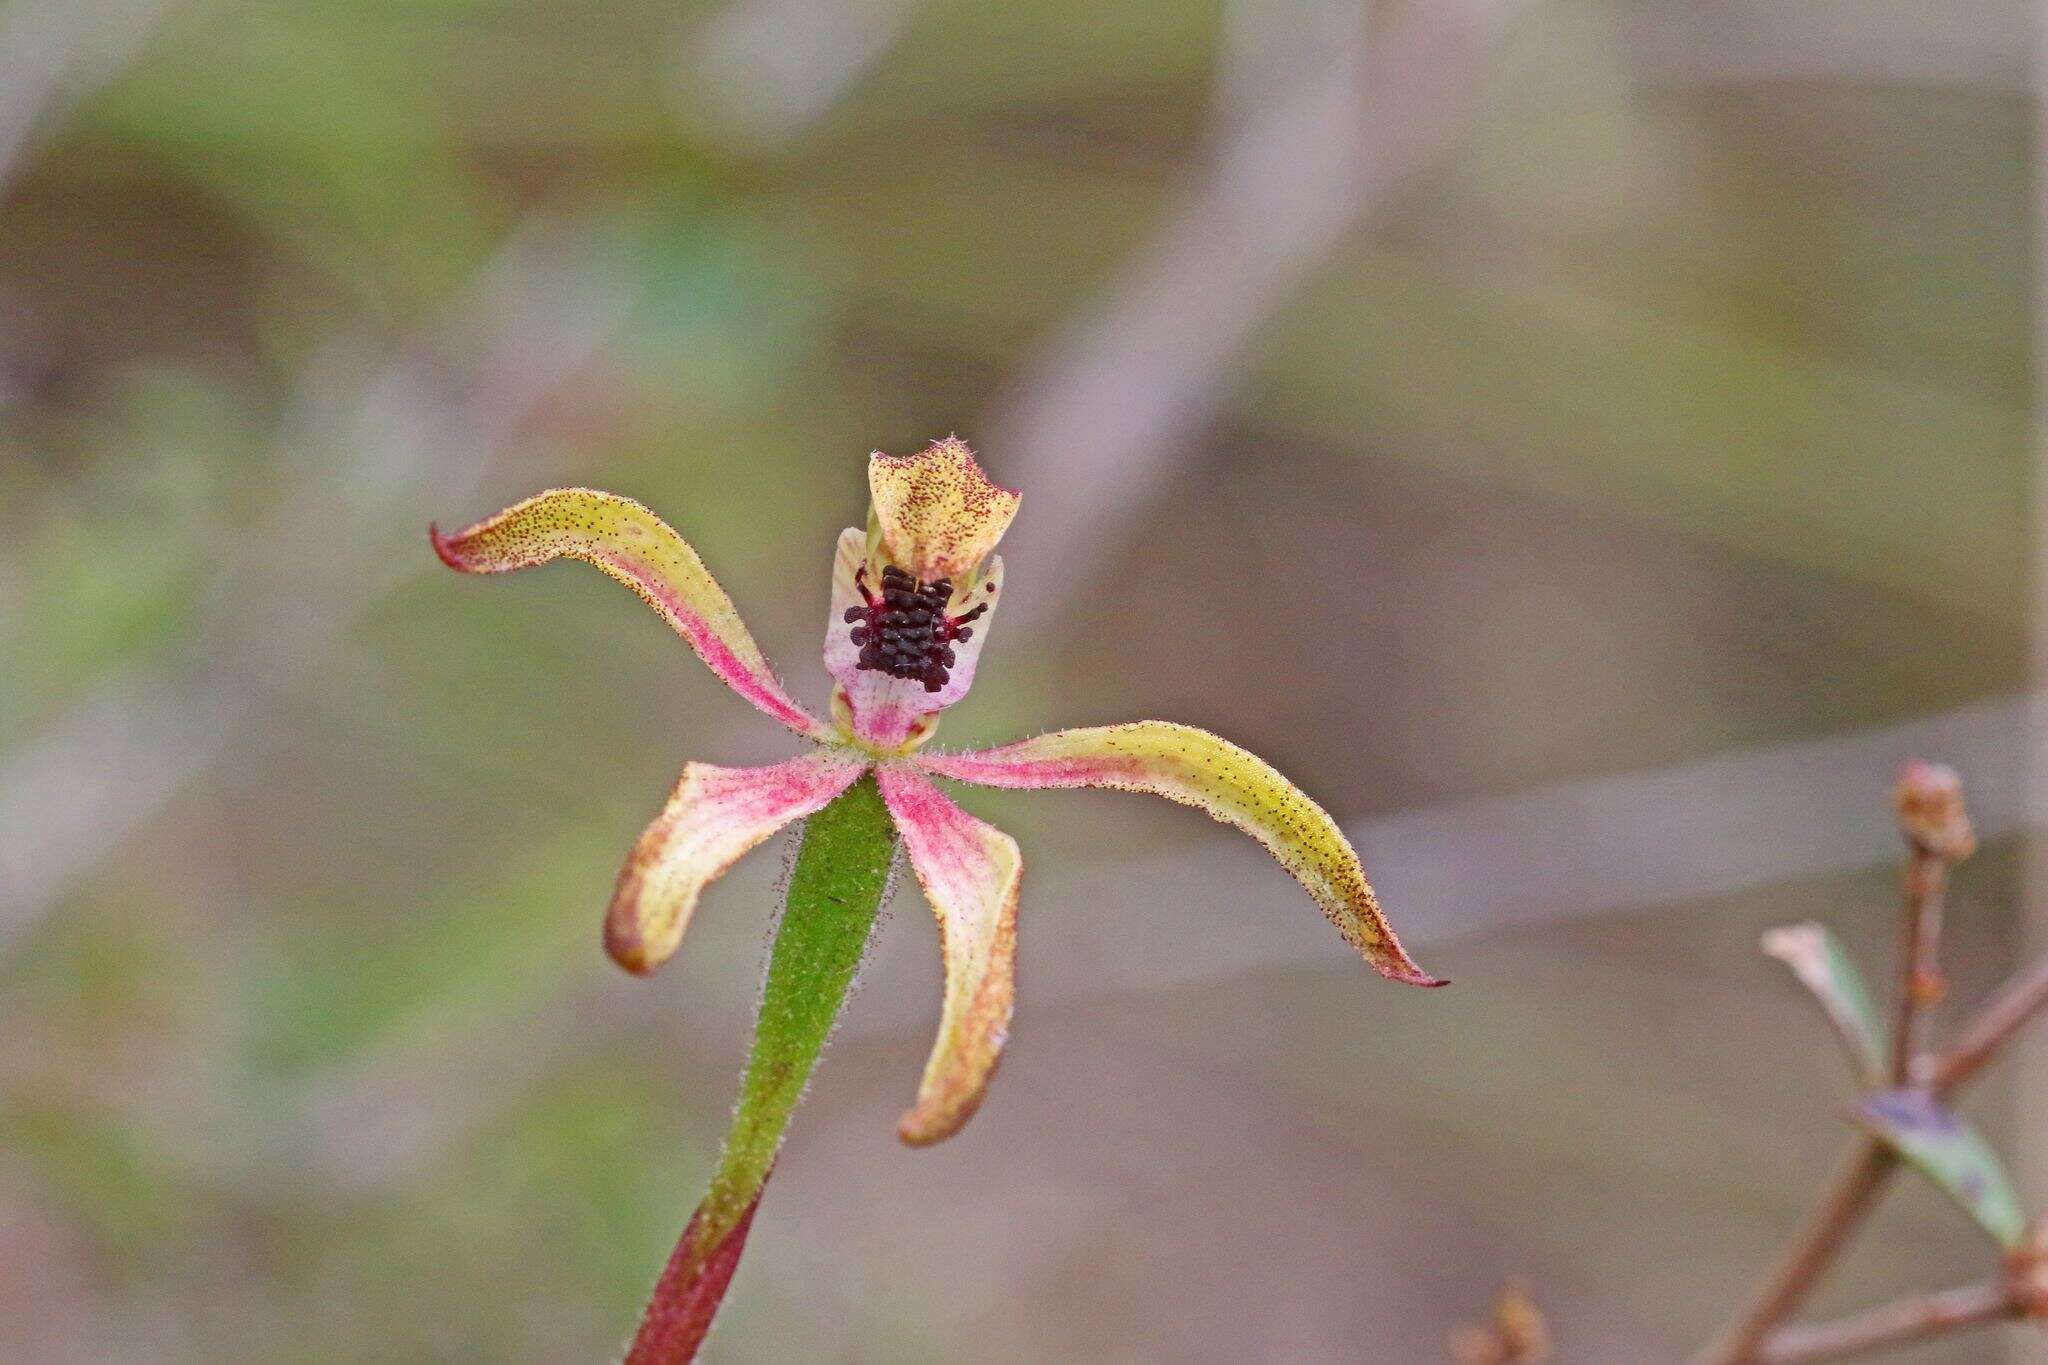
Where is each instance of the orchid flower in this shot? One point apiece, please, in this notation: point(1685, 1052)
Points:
point(914, 594)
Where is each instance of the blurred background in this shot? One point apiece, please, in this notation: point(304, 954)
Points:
point(1588, 443)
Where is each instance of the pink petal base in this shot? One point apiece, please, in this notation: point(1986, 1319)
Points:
point(687, 1296)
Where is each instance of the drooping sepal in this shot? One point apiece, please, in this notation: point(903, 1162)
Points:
point(1230, 784)
point(639, 549)
point(970, 872)
point(714, 816)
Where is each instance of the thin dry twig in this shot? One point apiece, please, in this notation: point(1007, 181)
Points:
point(2022, 997)
point(1847, 1201)
point(1869, 1167)
point(1929, 804)
point(1914, 1318)
point(1920, 982)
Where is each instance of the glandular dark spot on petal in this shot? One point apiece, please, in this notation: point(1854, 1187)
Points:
point(904, 630)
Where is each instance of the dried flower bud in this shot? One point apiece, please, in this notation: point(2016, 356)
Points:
point(1929, 801)
point(1517, 1335)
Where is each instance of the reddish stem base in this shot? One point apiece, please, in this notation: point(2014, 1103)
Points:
point(687, 1296)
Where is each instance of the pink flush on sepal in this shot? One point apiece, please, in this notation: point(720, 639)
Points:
point(913, 600)
point(642, 551)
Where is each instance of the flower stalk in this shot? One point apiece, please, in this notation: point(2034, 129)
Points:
point(836, 890)
point(913, 597)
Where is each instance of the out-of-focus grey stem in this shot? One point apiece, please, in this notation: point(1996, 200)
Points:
point(1722, 824)
point(53, 54)
point(1100, 419)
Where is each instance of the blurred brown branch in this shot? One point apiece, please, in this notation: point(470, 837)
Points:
point(1910, 1319)
point(2019, 1000)
point(1938, 833)
point(1929, 802)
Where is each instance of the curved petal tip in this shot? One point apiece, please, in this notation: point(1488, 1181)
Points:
point(928, 1123)
point(442, 549)
point(632, 545)
point(624, 945)
point(1227, 783)
point(970, 872)
point(714, 816)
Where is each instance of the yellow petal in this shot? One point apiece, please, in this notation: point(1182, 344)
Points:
point(970, 873)
point(940, 515)
point(714, 816)
point(642, 551)
point(1239, 788)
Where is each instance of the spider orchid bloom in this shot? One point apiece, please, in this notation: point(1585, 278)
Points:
point(913, 596)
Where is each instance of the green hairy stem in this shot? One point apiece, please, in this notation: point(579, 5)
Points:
point(836, 890)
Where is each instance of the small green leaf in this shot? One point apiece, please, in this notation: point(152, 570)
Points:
point(1817, 958)
point(1948, 1151)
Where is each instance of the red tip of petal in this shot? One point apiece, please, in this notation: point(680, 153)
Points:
point(929, 1125)
point(443, 549)
point(623, 944)
point(1410, 976)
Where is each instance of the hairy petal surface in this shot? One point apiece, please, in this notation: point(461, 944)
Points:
point(970, 872)
point(885, 709)
point(714, 816)
point(644, 552)
point(940, 515)
point(1232, 785)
